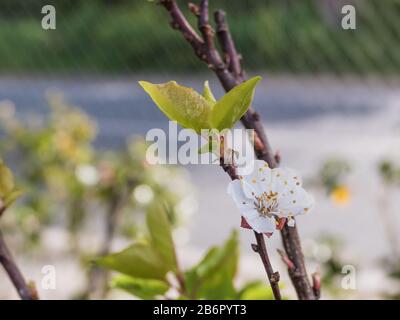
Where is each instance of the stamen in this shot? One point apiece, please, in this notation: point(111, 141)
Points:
point(267, 204)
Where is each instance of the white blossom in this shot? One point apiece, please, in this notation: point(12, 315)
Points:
point(143, 194)
point(87, 175)
point(266, 195)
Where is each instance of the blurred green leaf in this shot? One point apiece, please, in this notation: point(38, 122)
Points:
point(150, 260)
point(213, 138)
point(6, 181)
point(140, 260)
point(12, 196)
point(64, 174)
point(181, 104)
point(333, 173)
point(233, 105)
point(211, 146)
point(389, 172)
point(161, 237)
point(256, 291)
point(213, 277)
point(142, 288)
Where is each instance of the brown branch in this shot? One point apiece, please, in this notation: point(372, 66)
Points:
point(180, 23)
point(260, 247)
point(273, 277)
point(229, 169)
point(232, 58)
point(204, 26)
point(251, 120)
point(213, 59)
point(298, 275)
point(15, 275)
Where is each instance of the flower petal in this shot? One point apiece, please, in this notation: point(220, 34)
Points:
point(294, 202)
point(284, 178)
point(258, 178)
point(255, 167)
point(243, 200)
point(259, 223)
point(250, 190)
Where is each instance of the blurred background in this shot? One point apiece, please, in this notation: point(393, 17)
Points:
point(72, 122)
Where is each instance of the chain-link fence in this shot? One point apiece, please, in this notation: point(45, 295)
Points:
point(302, 36)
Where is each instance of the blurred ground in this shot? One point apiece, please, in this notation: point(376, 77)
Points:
point(308, 119)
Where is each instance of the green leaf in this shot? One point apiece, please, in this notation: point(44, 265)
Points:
point(213, 142)
point(195, 111)
point(161, 237)
point(256, 291)
point(213, 277)
point(151, 260)
point(233, 105)
point(181, 104)
point(207, 94)
point(6, 181)
point(211, 146)
point(142, 288)
point(12, 196)
point(140, 260)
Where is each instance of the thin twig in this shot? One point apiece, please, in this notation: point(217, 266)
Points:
point(229, 78)
point(15, 275)
point(260, 247)
point(204, 26)
point(232, 58)
point(273, 277)
point(214, 60)
point(180, 23)
point(298, 275)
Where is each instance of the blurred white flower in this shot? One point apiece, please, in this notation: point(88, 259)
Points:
point(143, 194)
point(265, 196)
point(186, 207)
point(87, 175)
point(323, 253)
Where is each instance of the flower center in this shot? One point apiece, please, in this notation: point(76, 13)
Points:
point(267, 204)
